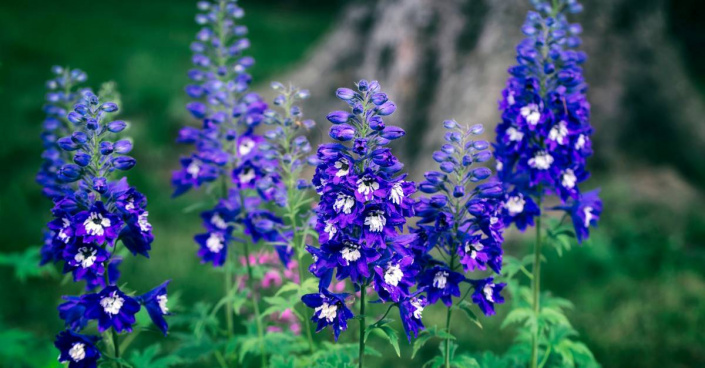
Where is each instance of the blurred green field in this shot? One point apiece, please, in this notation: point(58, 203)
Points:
point(638, 285)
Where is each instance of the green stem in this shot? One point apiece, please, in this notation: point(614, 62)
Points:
point(447, 347)
point(362, 325)
point(255, 305)
point(228, 304)
point(305, 324)
point(116, 343)
point(536, 289)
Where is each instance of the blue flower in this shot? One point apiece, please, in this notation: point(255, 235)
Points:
point(585, 211)
point(155, 302)
point(112, 308)
point(441, 283)
point(72, 312)
point(213, 247)
point(410, 311)
point(79, 351)
point(97, 225)
point(329, 310)
point(137, 235)
point(86, 261)
point(487, 294)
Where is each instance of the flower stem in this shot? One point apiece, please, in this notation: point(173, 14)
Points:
point(447, 347)
point(116, 344)
point(536, 290)
point(255, 306)
point(362, 326)
point(305, 324)
point(229, 305)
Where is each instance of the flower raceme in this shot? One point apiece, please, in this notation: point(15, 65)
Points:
point(364, 204)
point(543, 141)
point(93, 214)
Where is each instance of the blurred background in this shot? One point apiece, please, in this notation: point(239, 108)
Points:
point(638, 285)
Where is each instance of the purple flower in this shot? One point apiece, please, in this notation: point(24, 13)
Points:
point(393, 279)
point(194, 173)
point(329, 309)
point(155, 302)
point(585, 212)
point(213, 247)
point(441, 283)
point(97, 225)
point(487, 294)
point(72, 312)
point(137, 235)
point(112, 308)
point(79, 351)
point(410, 311)
point(86, 262)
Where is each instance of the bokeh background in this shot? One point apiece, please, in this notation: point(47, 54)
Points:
point(638, 285)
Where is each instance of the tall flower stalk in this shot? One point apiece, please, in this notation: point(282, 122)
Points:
point(461, 221)
point(363, 207)
point(94, 212)
point(292, 151)
point(544, 140)
point(229, 157)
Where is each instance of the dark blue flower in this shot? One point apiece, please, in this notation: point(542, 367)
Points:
point(329, 309)
point(97, 225)
point(487, 294)
point(213, 247)
point(79, 351)
point(155, 302)
point(410, 311)
point(72, 312)
point(441, 283)
point(112, 308)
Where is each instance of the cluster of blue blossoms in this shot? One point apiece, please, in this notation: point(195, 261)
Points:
point(363, 207)
point(543, 140)
point(226, 145)
point(461, 219)
point(92, 213)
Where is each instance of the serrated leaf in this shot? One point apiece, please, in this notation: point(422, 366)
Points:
point(147, 358)
point(420, 341)
point(519, 315)
point(392, 337)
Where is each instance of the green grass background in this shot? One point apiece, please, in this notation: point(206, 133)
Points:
point(638, 285)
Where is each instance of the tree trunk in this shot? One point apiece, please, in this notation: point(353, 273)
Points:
point(448, 59)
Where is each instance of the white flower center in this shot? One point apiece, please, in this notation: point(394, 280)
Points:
point(515, 205)
point(366, 185)
point(393, 275)
point(246, 146)
point(247, 175)
point(193, 169)
point(130, 204)
point(440, 280)
point(218, 221)
point(344, 202)
point(559, 132)
point(588, 215)
point(418, 307)
point(541, 161)
point(376, 221)
point(86, 256)
point(162, 300)
point(472, 249)
point(531, 113)
point(77, 352)
point(500, 166)
point(351, 252)
point(581, 142)
point(568, 179)
point(397, 193)
point(112, 304)
point(65, 223)
point(488, 291)
point(214, 243)
point(327, 311)
point(514, 134)
point(510, 98)
point(343, 167)
point(95, 224)
point(142, 220)
point(330, 229)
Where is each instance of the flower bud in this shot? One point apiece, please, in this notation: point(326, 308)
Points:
point(345, 94)
point(477, 129)
point(109, 107)
point(69, 173)
point(428, 188)
point(303, 94)
point(447, 167)
point(197, 109)
point(379, 98)
point(480, 145)
point(387, 108)
point(482, 156)
point(123, 146)
point(360, 146)
point(106, 148)
point(309, 124)
point(117, 126)
point(376, 123)
point(434, 177)
point(74, 117)
point(392, 133)
point(92, 124)
point(448, 148)
point(439, 156)
point(342, 132)
point(452, 137)
point(363, 85)
point(67, 144)
point(100, 185)
point(450, 124)
point(338, 117)
point(124, 162)
point(81, 109)
point(82, 159)
point(480, 173)
point(438, 201)
point(458, 191)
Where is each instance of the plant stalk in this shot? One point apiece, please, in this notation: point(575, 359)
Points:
point(447, 347)
point(536, 290)
point(362, 326)
point(255, 306)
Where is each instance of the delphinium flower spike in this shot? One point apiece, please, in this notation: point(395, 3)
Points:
point(461, 221)
point(364, 203)
point(229, 157)
point(543, 140)
point(96, 213)
point(291, 149)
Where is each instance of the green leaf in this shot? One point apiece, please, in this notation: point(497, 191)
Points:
point(519, 315)
point(25, 264)
point(391, 335)
point(148, 358)
point(198, 206)
point(465, 306)
point(420, 341)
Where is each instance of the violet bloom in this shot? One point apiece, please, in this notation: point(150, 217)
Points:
point(441, 283)
point(487, 294)
point(112, 308)
point(411, 310)
point(329, 309)
point(155, 301)
point(213, 247)
point(97, 225)
point(79, 351)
